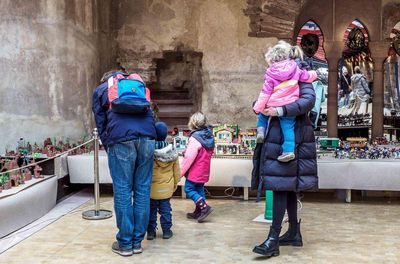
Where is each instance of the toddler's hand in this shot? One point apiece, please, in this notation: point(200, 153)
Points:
point(270, 111)
point(252, 107)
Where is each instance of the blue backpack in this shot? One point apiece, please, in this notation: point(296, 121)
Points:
point(128, 94)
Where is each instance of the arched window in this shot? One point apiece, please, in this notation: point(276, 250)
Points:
point(355, 83)
point(391, 92)
point(311, 39)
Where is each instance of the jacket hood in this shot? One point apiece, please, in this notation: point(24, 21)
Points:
point(166, 154)
point(205, 137)
point(283, 70)
point(357, 77)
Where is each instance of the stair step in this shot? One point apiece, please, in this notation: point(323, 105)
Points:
point(174, 114)
point(169, 95)
point(175, 108)
point(175, 122)
point(173, 102)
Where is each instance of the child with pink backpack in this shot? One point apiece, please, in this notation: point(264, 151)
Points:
point(195, 165)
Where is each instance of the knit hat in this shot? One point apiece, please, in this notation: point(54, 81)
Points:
point(161, 130)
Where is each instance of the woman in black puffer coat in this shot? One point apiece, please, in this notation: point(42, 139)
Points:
point(286, 179)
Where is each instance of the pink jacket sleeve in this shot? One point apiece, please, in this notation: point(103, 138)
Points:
point(190, 155)
point(307, 76)
point(264, 96)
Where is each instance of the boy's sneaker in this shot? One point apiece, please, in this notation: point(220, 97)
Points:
point(286, 157)
point(123, 252)
point(151, 235)
point(137, 249)
point(167, 234)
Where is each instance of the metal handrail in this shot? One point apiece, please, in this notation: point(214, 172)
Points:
point(97, 213)
point(49, 158)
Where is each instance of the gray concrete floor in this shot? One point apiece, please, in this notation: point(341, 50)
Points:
point(332, 233)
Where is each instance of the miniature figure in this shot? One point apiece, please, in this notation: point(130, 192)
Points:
point(27, 174)
point(37, 172)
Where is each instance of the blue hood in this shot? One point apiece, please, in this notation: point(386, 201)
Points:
point(205, 137)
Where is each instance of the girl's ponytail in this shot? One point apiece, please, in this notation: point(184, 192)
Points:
point(296, 53)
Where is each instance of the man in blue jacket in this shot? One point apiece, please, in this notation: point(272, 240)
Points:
point(129, 140)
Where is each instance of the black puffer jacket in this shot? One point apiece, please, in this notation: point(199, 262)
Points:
point(299, 174)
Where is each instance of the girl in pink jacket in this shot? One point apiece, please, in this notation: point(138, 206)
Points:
point(281, 88)
point(195, 165)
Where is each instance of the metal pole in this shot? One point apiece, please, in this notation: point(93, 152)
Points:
point(96, 171)
point(97, 213)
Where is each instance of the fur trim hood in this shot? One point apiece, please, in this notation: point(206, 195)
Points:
point(166, 154)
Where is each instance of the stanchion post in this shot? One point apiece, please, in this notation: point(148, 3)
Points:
point(97, 213)
point(96, 171)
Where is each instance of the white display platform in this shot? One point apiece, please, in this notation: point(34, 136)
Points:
point(224, 171)
point(377, 175)
point(24, 204)
point(372, 175)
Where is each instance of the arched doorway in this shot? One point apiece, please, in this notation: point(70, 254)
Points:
point(311, 39)
point(391, 110)
point(355, 83)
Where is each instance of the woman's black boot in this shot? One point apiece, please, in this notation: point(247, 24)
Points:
point(292, 237)
point(270, 247)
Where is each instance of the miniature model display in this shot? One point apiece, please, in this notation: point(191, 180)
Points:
point(9, 177)
point(50, 148)
point(248, 141)
point(227, 149)
point(25, 154)
point(230, 140)
point(357, 148)
point(180, 142)
point(225, 133)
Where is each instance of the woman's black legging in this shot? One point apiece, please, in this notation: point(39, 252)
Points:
point(282, 201)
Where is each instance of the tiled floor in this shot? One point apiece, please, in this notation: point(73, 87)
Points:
point(332, 233)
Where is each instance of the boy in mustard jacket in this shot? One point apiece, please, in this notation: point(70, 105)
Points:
point(166, 175)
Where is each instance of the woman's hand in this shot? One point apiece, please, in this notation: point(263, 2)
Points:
point(270, 111)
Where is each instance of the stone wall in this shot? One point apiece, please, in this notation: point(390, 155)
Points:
point(52, 56)
point(232, 64)
point(271, 18)
point(391, 13)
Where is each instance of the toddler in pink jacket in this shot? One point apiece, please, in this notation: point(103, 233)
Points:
point(281, 88)
point(195, 165)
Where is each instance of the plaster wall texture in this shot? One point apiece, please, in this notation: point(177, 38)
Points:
point(233, 63)
point(52, 55)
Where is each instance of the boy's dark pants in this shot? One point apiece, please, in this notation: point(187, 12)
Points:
point(164, 209)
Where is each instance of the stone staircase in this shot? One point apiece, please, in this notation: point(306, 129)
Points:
point(174, 107)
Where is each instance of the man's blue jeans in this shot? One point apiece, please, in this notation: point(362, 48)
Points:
point(131, 168)
point(164, 209)
point(194, 190)
point(287, 126)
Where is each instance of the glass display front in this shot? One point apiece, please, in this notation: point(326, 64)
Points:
point(311, 40)
point(355, 82)
point(391, 72)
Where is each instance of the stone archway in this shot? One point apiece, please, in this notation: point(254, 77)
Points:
point(355, 90)
point(391, 90)
point(311, 39)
